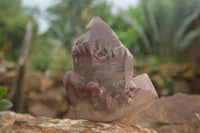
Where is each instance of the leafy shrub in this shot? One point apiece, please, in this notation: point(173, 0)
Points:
point(50, 54)
point(41, 54)
point(61, 60)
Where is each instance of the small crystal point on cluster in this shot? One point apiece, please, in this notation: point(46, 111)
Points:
point(101, 86)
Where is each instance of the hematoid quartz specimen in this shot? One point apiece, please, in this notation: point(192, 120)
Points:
point(101, 86)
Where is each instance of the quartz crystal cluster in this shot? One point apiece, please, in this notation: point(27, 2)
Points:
point(101, 86)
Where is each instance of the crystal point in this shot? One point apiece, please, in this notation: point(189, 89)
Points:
point(102, 87)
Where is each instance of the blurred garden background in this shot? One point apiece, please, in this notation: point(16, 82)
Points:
point(163, 36)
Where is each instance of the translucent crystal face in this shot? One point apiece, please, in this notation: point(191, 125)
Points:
point(102, 87)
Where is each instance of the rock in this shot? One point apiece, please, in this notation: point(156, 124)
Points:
point(8, 77)
point(48, 96)
point(9, 65)
point(33, 81)
point(2, 70)
point(182, 86)
point(189, 74)
point(39, 109)
point(24, 123)
point(36, 81)
point(171, 69)
point(194, 85)
point(7, 73)
point(46, 84)
point(58, 78)
point(53, 104)
point(102, 83)
point(179, 113)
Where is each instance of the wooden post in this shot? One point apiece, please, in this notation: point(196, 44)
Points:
point(17, 94)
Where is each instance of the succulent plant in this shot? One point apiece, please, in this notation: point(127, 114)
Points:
point(4, 104)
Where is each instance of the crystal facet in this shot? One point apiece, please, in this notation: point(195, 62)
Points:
point(102, 87)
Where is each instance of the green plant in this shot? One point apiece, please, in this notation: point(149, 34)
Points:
point(61, 60)
point(12, 22)
point(41, 54)
point(169, 26)
point(4, 104)
point(128, 36)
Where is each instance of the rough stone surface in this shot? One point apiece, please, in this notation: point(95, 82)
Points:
point(39, 109)
point(179, 113)
point(24, 123)
point(102, 83)
point(7, 72)
point(38, 82)
point(51, 105)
